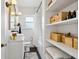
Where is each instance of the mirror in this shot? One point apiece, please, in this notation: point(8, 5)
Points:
point(13, 16)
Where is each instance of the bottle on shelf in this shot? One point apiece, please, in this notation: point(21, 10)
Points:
point(74, 14)
point(69, 15)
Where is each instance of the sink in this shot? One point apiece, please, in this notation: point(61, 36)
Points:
point(20, 37)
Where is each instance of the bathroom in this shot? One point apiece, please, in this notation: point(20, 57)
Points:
point(32, 29)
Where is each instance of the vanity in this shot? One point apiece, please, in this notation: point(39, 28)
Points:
point(16, 47)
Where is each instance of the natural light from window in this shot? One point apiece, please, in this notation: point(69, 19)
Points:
point(29, 22)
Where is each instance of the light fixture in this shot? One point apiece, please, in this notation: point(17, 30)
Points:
point(16, 14)
point(13, 1)
point(13, 13)
point(8, 4)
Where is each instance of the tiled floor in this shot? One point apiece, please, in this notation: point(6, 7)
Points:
point(32, 55)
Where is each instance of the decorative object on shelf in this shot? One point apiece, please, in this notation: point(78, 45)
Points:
point(68, 41)
point(19, 25)
point(63, 15)
point(69, 15)
point(56, 36)
point(13, 36)
point(57, 19)
point(51, 19)
point(74, 14)
point(63, 38)
point(60, 17)
point(75, 42)
point(68, 34)
point(54, 19)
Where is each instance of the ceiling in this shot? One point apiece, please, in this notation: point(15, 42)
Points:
point(28, 7)
point(28, 3)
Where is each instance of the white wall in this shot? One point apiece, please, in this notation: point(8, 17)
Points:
point(38, 31)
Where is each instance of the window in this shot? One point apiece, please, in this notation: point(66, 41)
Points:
point(29, 22)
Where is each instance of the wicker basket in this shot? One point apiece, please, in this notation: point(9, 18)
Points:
point(56, 36)
point(75, 43)
point(62, 15)
point(68, 41)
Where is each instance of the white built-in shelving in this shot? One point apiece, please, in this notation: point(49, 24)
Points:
point(56, 53)
point(56, 6)
point(68, 21)
point(71, 51)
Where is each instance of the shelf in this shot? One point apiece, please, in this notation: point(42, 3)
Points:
point(71, 51)
point(69, 21)
point(57, 5)
point(55, 53)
